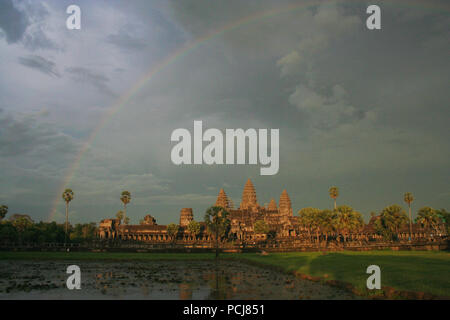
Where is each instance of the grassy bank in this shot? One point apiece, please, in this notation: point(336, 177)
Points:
point(418, 271)
point(426, 271)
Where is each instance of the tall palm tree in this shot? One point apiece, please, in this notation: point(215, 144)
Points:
point(67, 196)
point(334, 193)
point(125, 198)
point(408, 198)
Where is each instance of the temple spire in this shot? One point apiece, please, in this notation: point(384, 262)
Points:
point(249, 196)
point(222, 200)
point(285, 204)
point(272, 205)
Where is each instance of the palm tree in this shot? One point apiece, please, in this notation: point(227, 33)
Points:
point(391, 219)
point(429, 219)
point(125, 198)
point(327, 222)
point(348, 220)
point(216, 219)
point(309, 219)
point(408, 198)
point(334, 193)
point(67, 196)
point(119, 215)
point(3, 211)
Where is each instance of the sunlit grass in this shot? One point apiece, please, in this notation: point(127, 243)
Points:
point(403, 270)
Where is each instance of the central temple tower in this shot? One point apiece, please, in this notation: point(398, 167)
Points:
point(249, 200)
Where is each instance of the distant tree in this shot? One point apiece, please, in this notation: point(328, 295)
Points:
point(334, 193)
point(84, 232)
point(172, 230)
point(22, 224)
point(125, 198)
point(218, 224)
point(8, 232)
point(429, 219)
point(309, 220)
point(119, 215)
point(348, 220)
point(391, 219)
point(261, 227)
point(126, 220)
point(408, 198)
point(3, 211)
point(327, 222)
point(194, 228)
point(445, 217)
point(67, 196)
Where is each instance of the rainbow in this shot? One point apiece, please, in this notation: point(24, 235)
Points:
point(183, 51)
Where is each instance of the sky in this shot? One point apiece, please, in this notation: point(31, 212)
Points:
point(93, 109)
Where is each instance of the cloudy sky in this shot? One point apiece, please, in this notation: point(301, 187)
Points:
point(367, 111)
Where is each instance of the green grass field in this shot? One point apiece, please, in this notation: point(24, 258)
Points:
point(403, 270)
point(424, 271)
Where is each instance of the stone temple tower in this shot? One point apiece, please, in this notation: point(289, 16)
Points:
point(285, 204)
point(186, 216)
point(249, 200)
point(272, 205)
point(222, 200)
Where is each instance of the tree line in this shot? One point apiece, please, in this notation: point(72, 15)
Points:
point(338, 223)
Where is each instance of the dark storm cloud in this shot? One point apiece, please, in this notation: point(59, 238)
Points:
point(40, 64)
point(12, 21)
point(84, 75)
point(35, 38)
point(124, 40)
point(26, 135)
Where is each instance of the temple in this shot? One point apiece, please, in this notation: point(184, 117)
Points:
point(283, 225)
point(279, 219)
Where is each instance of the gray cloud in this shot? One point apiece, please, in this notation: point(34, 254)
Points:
point(26, 23)
point(39, 63)
point(364, 110)
point(84, 75)
point(124, 40)
point(13, 22)
point(26, 135)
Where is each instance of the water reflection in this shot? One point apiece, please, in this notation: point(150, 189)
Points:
point(158, 280)
point(185, 291)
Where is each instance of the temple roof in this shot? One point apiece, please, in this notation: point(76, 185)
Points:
point(272, 205)
point(222, 200)
point(249, 196)
point(285, 203)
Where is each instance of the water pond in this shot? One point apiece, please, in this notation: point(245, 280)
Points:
point(157, 280)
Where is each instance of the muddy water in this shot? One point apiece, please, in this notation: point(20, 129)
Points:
point(156, 280)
